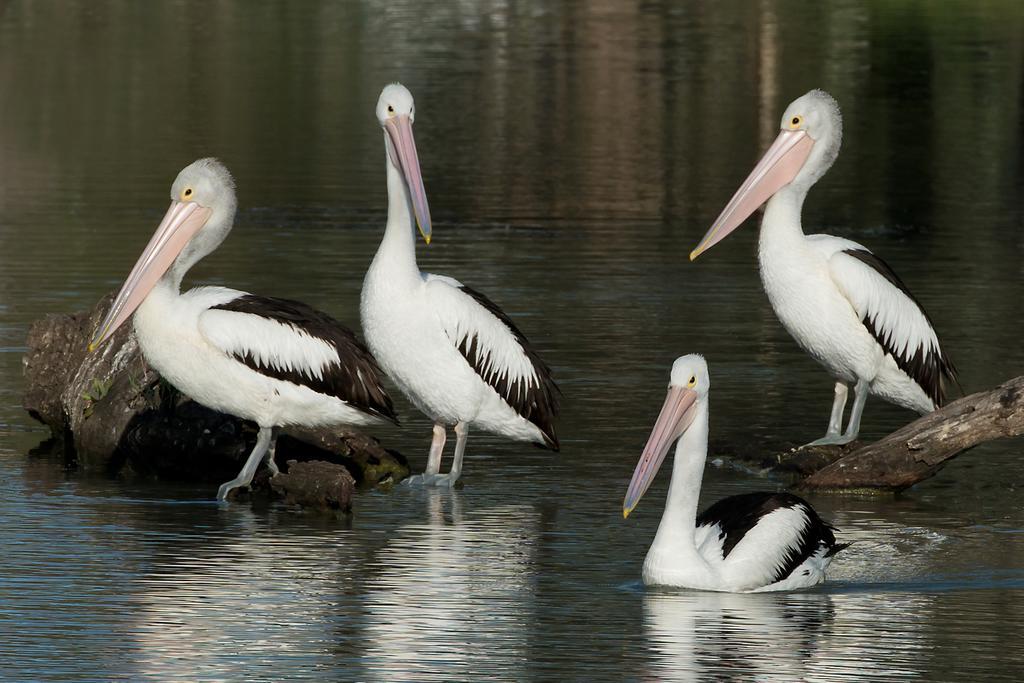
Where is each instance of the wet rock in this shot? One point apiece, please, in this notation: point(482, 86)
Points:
point(315, 485)
point(111, 412)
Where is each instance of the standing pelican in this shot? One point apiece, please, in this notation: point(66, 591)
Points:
point(843, 305)
point(273, 361)
point(741, 544)
point(451, 350)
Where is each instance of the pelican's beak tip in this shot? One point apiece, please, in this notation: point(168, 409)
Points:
point(426, 238)
point(625, 512)
point(91, 347)
point(693, 255)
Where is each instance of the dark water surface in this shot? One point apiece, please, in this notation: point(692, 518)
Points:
point(573, 154)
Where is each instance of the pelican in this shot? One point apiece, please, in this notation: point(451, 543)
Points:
point(449, 348)
point(273, 361)
point(748, 543)
point(844, 306)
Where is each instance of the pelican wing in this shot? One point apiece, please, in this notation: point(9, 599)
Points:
point(893, 316)
point(497, 351)
point(763, 537)
point(292, 342)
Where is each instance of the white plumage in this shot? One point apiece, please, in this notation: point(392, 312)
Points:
point(841, 303)
point(449, 349)
point(197, 348)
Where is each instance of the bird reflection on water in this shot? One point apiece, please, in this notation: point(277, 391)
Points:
point(812, 635)
point(696, 635)
point(448, 580)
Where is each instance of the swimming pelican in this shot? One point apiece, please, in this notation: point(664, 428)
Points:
point(841, 303)
point(273, 361)
point(748, 543)
point(449, 348)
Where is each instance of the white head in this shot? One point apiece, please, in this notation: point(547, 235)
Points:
point(395, 100)
point(817, 115)
point(396, 112)
point(206, 183)
point(200, 217)
point(807, 145)
point(691, 372)
point(688, 390)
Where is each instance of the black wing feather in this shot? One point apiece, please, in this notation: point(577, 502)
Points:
point(355, 380)
point(736, 515)
point(928, 367)
point(536, 403)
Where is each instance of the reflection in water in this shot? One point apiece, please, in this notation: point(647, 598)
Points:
point(221, 605)
point(450, 580)
point(697, 636)
point(694, 636)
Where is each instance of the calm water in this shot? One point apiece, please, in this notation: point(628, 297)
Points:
point(573, 155)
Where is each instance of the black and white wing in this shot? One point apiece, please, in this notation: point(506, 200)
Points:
point(498, 352)
point(765, 536)
point(292, 342)
point(893, 316)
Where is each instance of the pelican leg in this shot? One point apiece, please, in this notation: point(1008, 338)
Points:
point(263, 444)
point(269, 457)
point(448, 480)
point(436, 449)
point(860, 397)
point(835, 423)
point(433, 459)
point(433, 478)
point(461, 436)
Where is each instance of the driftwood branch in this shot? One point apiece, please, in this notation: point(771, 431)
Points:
point(923, 447)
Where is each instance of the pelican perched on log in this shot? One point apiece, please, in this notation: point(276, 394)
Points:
point(747, 543)
point(842, 304)
point(449, 348)
point(273, 361)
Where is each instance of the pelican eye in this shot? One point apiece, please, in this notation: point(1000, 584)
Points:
point(391, 110)
point(187, 193)
point(692, 383)
point(796, 122)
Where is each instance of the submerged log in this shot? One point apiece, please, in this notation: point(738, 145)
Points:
point(920, 449)
point(111, 412)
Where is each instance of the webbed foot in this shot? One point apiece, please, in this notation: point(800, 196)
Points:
point(832, 440)
point(432, 480)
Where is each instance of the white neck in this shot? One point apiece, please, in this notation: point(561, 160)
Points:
point(781, 220)
point(171, 280)
point(202, 244)
point(398, 248)
point(155, 314)
point(674, 543)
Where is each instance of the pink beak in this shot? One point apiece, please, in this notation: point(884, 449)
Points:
point(777, 168)
point(677, 414)
point(403, 146)
point(181, 222)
